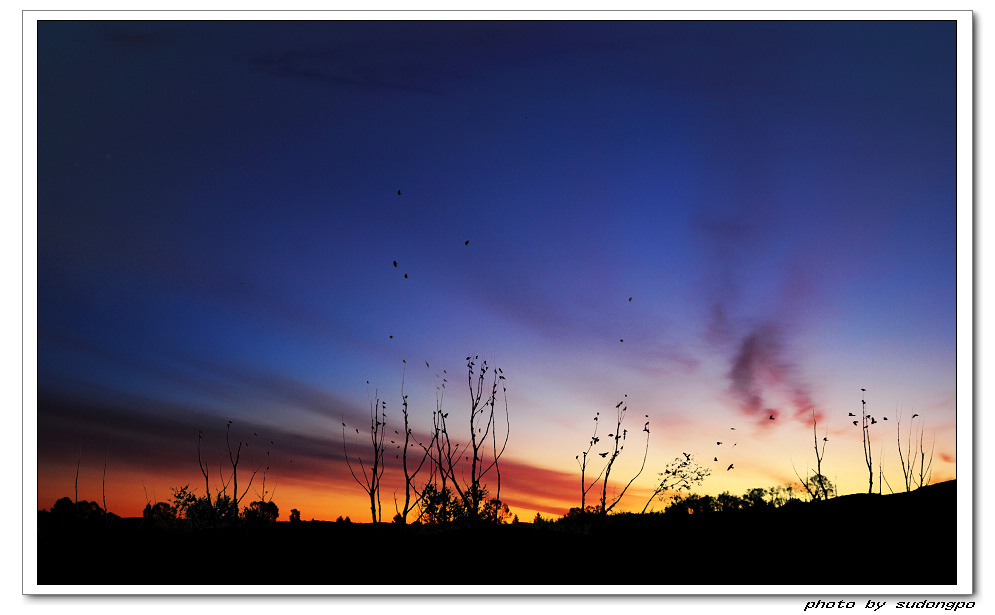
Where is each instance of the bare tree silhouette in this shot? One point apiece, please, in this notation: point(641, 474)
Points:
point(816, 488)
point(909, 460)
point(371, 478)
point(584, 487)
point(618, 441)
point(409, 475)
point(866, 435)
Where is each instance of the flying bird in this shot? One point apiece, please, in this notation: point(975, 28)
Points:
point(405, 276)
point(603, 454)
point(914, 415)
point(772, 417)
point(686, 455)
point(729, 468)
point(621, 340)
point(851, 414)
point(395, 263)
point(630, 299)
point(717, 443)
point(426, 363)
point(825, 439)
point(716, 459)
point(398, 193)
point(884, 417)
point(466, 243)
point(855, 422)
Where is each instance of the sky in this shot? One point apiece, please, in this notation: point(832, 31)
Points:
point(713, 222)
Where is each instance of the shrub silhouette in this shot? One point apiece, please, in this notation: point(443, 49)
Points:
point(160, 515)
point(82, 513)
point(819, 487)
point(444, 509)
point(691, 504)
point(260, 514)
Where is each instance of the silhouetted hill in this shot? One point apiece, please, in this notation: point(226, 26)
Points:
point(853, 540)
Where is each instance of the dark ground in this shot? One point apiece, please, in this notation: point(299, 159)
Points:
point(897, 539)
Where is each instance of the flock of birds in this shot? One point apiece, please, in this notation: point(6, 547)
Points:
point(467, 243)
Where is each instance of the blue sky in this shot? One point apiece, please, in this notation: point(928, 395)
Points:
point(218, 217)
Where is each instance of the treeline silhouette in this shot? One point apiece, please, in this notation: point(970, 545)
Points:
point(696, 540)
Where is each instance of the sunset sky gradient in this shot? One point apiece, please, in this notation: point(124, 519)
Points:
point(218, 216)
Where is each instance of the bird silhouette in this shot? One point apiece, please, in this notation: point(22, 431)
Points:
point(729, 468)
point(733, 428)
point(772, 417)
point(405, 276)
point(426, 363)
point(825, 439)
point(395, 263)
point(873, 422)
point(884, 418)
point(603, 454)
point(621, 340)
point(398, 193)
point(716, 459)
point(851, 414)
point(686, 455)
point(391, 337)
point(855, 422)
point(630, 299)
point(863, 389)
point(717, 443)
point(466, 243)
point(914, 415)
